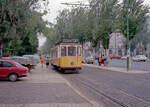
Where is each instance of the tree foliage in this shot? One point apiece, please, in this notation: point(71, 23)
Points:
point(19, 24)
point(136, 13)
point(96, 23)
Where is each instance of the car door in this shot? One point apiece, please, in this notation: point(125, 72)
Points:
point(1, 69)
point(6, 68)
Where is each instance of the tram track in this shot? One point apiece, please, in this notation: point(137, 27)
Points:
point(91, 85)
point(122, 91)
point(102, 93)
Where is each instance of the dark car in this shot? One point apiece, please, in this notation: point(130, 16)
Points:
point(12, 70)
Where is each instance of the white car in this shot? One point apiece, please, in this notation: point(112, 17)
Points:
point(139, 58)
point(89, 60)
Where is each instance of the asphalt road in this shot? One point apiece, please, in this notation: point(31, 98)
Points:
point(112, 89)
point(145, 66)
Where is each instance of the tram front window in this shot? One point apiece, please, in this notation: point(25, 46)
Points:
point(63, 51)
point(71, 51)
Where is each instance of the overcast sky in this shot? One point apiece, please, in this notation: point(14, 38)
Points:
point(56, 6)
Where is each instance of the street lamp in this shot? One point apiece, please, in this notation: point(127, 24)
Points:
point(128, 40)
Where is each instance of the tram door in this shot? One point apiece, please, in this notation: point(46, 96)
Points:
point(72, 54)
point(79, 55)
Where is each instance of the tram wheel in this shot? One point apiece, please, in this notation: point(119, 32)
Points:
point(77, 71)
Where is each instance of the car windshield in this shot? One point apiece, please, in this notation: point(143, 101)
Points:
point(18, 64)
point(89, 57)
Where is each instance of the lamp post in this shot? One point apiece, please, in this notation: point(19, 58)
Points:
point(128, 39)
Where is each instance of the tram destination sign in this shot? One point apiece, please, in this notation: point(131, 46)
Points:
point(70, 41)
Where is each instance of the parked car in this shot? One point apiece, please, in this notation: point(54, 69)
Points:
point(12, 70)
point(112, 56)
point(124, 57)
point(89, 60)
point(139, 58)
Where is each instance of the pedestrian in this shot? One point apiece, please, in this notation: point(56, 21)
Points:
point(47, 62)
point(100, 59)
point(42, 62)
point(104, 60)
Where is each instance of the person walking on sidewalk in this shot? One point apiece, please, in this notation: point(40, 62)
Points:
point(47, 62)
point(100, 59)
point(104, 60)
point(42, 62)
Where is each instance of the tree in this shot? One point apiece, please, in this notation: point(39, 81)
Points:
point(14, 17)
point(106, 12)
point(87, 24)
point(142, 37)
point(137, 14)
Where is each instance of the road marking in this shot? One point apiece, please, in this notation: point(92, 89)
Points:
point(94, 103)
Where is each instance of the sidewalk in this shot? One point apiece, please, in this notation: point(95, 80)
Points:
point(63, 94)
point(115, 69)
point(43, 87)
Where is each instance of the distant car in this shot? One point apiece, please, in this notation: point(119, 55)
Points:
point(139, 58)
point(33, 57)
point(124, 57)
point(114, 56)
point(89, 60)
point(12, 70)
point(83, 60)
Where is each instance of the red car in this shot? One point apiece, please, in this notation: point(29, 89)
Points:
point(12, 70)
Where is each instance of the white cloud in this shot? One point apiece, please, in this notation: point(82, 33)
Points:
point(41, 39)
point(55, 6)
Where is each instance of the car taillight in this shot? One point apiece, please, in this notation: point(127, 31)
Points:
point(27, 70)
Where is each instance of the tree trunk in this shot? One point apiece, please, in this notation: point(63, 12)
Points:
point(1, 49)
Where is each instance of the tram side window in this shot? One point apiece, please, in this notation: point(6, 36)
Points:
point(56, 54)
point(71, 51)
point(63, 51)
point(79, 51)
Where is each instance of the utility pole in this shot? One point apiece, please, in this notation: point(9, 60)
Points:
point(128, 39)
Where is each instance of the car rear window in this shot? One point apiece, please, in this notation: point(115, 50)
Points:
point(17, 64)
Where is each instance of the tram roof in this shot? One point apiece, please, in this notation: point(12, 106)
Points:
point(68, 41)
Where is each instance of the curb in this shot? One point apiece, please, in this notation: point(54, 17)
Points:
point(122, 70)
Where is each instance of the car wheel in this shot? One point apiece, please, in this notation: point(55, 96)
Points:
point(13, 77)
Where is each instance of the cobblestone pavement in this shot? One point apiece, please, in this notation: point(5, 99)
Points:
point(112, 89)
point(42, 88)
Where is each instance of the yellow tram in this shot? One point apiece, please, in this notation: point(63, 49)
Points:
point(67, 55)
